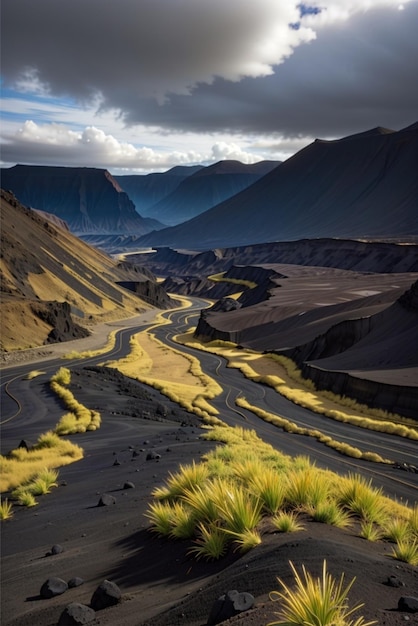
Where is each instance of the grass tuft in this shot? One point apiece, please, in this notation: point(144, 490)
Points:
point(316, 601)
point(6, 510)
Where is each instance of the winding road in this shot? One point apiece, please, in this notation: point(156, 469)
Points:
point(27, 406)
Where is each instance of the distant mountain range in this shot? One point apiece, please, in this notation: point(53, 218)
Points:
point(362, 186)
point(204, 189)
point(92, 201)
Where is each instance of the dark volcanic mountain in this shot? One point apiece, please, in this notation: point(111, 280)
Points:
point(88, 199)
point(53, 285)
point(206, 188)
point(362, 186)
point(147, 190)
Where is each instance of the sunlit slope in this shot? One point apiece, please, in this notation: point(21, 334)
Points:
point(41, 264)
point(363, 186)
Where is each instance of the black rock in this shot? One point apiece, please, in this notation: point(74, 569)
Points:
point(106, 594)
point(408, 604)
point(75, 582)
point(129, 485)
point(152, 456)
point(76, 614)
point(53, 587)
point(228, 605)
point(57, 549)
point(106, 500)
point(116, 462)
point(394, 581)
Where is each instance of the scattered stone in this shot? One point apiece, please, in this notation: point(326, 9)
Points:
point(24, 443)
point(408, 604)
point(394, 581)
point(75, 582)
point(228, 605)
point(135, 453)
point(116, 462)
point(106, 500)
point(152, 456)
point(57, 549)
point(106, 594)
point(53, 587)
point(76, 614)
point(129, 485)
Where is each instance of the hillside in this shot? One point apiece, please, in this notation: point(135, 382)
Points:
point(206, 188)
point(362, 186)
point(90, 200)
point(54, 286)
point(146, 190)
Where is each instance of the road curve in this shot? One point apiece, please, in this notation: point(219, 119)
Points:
point(28, 407)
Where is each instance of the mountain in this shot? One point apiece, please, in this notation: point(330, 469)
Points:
point(90, 200)
point(54, 286)
point(206, 188)
point(362, 186)
point(147, 190)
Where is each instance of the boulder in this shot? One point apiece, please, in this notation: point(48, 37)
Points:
point(76, 614)
point(53, 587)
point(408, 604)
point(106, 594)
point(106, 500)
point(228, 605)
point(75, 582)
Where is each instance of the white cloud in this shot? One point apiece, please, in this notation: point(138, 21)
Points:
point(56, 144)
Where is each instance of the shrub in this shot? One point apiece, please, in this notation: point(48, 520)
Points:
point(318, 602)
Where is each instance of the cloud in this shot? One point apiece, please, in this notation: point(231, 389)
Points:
point(55, 144)
point(197, 80)
point(358, 73)
point(144, 48)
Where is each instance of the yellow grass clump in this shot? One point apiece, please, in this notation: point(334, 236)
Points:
point(283, 375)
point(21, 465)
point(177, 375)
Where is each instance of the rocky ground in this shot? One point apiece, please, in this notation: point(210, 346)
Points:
point(144, 437)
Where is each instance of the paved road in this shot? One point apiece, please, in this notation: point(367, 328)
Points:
point(31, 409)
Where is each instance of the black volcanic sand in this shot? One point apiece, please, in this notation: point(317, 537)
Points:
point(161, 585)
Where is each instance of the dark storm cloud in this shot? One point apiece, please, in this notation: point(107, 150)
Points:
point(357, 74)
point(195, 65)
point(144, 48)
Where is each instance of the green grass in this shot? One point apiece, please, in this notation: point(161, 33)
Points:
point(6, 510)
point(329, 512)
point(287, 522)
point(370, 531)
point(406, 551)
point(321, 601)
point(243, 480)
point(308, 487)
point(359, 497)
point(211, 543)
point(26, 498)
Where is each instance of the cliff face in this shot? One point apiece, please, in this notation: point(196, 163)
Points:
point(359, 256)
point(89, 200)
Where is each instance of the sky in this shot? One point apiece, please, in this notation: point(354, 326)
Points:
point(139, 86)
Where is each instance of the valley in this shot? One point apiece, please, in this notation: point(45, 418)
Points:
point(268, 311)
